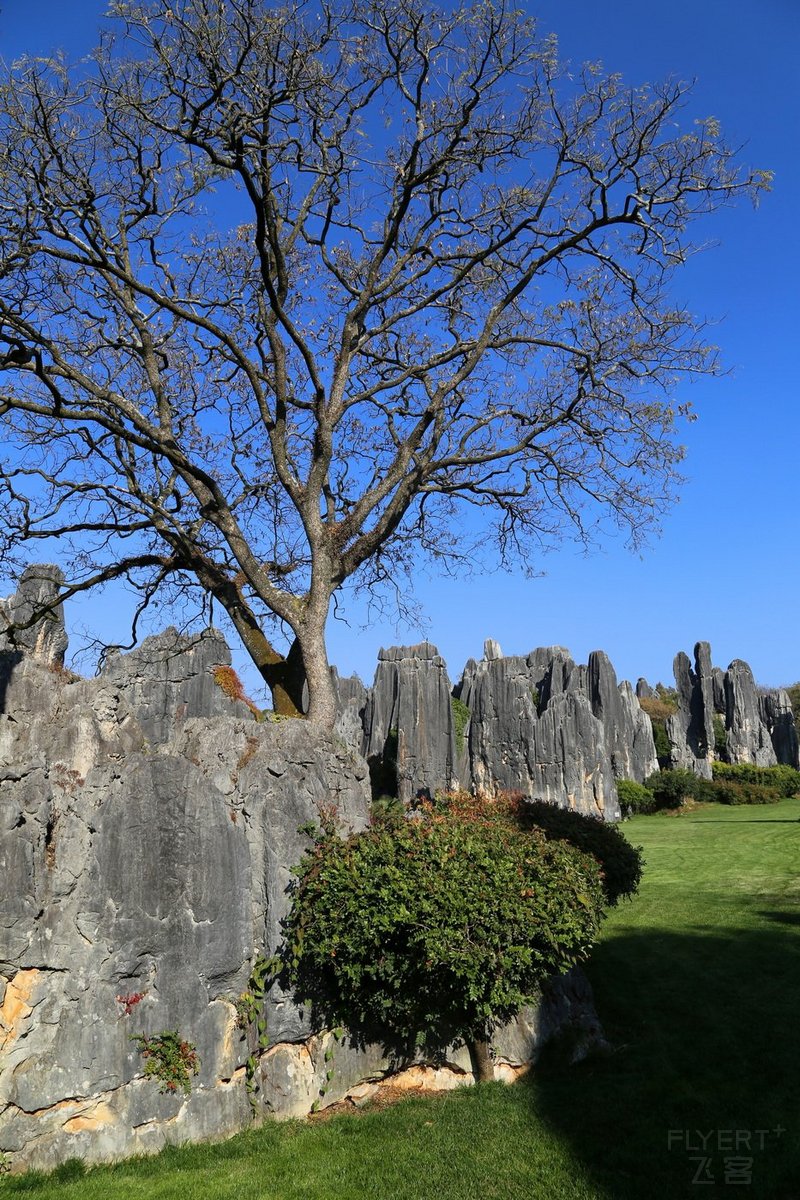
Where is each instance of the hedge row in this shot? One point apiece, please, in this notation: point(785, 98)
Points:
point(741, 783)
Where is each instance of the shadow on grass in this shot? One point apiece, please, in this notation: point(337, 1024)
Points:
point(706, 1042)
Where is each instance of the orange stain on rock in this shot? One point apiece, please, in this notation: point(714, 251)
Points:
point(16, 1008)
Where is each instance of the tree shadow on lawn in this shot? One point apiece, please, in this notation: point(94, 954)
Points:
point(706, 1042)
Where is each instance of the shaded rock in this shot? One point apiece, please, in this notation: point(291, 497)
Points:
point(627, 729)
point(718, 689)
point(777, 715)
point(691, 729)
point(643, 689)
point(409, 730)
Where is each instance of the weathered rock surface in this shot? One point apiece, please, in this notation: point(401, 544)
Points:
point(748, 737)
point(502, 699)
point(45, 637)
point(777, 715)
point(531, 729)
point(627, 730)
point(691, 728)
point(134, 873)
point(171, 677)
point(408, 719)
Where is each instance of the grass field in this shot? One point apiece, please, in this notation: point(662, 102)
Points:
point(697, 982)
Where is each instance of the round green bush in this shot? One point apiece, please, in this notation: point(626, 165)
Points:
point(671, 788)
point(436, 927)
point(620, 862)
point(635, 796)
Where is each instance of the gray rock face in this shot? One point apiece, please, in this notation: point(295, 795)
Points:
point(531, 730)
point(140, 884)
point(627, 731)
point(718, 689)
point(777, 715)
point(569, 764)
point(691, 728)
point(170, 678)
point(351, 701)
point(748, 737)
point(409, 719)
point(45, 638)
point(502, 699)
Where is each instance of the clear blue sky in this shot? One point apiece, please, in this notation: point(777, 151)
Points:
point(727, 567)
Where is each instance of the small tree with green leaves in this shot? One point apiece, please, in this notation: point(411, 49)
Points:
point(420, 932)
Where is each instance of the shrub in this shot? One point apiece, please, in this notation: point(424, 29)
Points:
point(720, 737)
point(730, 792)
point(460, 721)
point(671, 788)
point(741, 783)
point(620, 862)
point(783, 779)
point(168, 1058)
point(635, 796)
point(437, 927)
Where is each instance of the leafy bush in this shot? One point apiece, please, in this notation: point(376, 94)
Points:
point(437, 927)
point(635, 796)
point(460, 721)
point(730, 792)
point(783, 779)
point(386, 810)
point(671, 788)
point(169, 1058)
point(620, 862)
point(741, 783)
point(720, 737)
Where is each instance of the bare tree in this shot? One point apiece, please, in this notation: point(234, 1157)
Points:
point(284, 291)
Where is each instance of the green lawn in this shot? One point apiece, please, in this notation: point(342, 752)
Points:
point(697, 983)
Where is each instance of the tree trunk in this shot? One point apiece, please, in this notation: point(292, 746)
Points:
point(321, 692)
point(286, 680)
point(482, 1065)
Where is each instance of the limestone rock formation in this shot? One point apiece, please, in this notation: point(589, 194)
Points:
point(747, 736)
point(44, 637)
point(627, 730)
point(568, 761)
point(691, 728)
point(408, 720)
point(777, 715)
point(140, 882)
point(171, 677)
point(351, 703)
point(502, 699)
point(531, 729)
